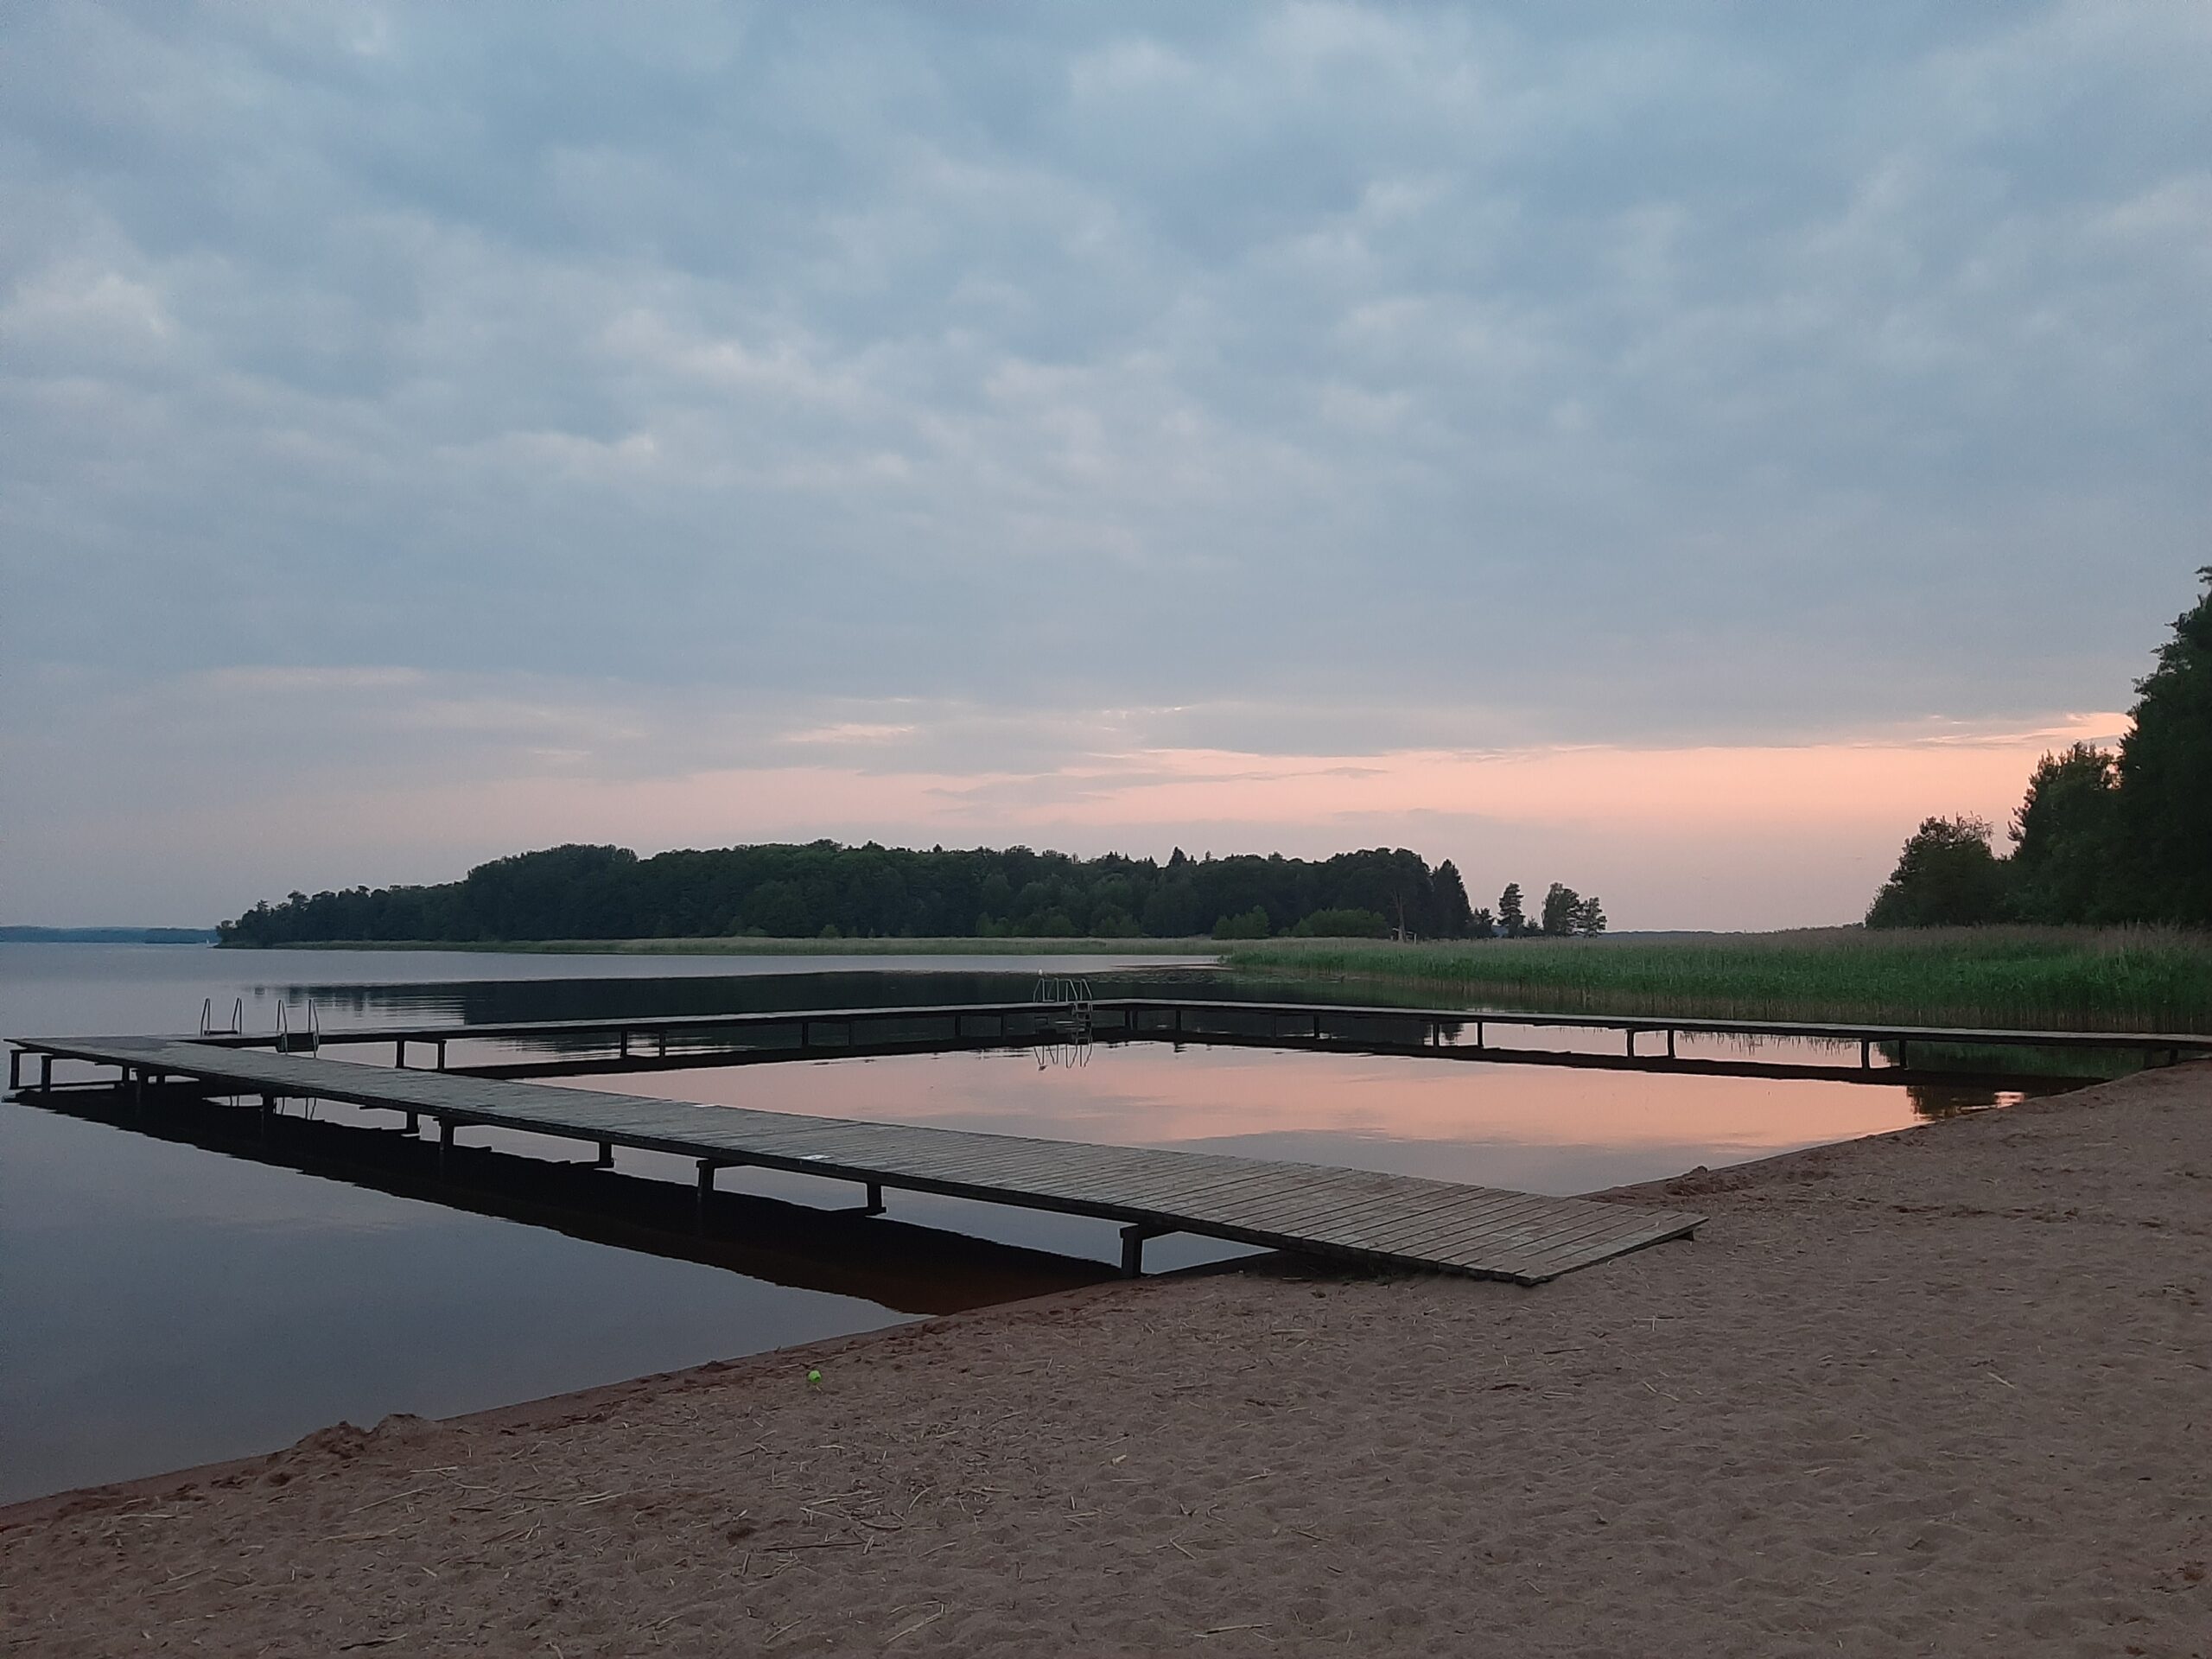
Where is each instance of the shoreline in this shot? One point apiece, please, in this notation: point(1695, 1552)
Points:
point(553, 1410)
point(544, 1411)
point(1929, 1390)
point(749, 946)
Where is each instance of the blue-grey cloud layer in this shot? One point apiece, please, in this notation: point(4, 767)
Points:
point(1567, 373)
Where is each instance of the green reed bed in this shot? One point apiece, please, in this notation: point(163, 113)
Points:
point(2111, 979)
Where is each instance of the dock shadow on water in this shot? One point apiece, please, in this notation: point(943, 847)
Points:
point(895, 1264)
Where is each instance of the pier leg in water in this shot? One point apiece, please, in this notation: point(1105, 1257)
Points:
point(707, 1167)
point(875, 1205)
point(1133, 1238)
point(605, 1158)
point(1671, 1043)
point(445, 1144)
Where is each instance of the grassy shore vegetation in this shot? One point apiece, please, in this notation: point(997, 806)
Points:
point(2020, 978)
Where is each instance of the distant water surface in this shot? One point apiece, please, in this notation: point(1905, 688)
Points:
point(163, 1304)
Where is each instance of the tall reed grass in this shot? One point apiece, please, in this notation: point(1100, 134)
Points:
point(2017, 978)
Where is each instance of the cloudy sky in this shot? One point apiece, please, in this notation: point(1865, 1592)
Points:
point(1664, 449)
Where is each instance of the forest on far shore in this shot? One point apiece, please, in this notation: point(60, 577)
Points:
point(824, 889)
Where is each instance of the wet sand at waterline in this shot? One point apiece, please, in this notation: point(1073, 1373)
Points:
point(1948, 1391)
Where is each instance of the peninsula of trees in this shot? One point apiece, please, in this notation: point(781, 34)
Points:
point(2102, 836)
point(826, 890)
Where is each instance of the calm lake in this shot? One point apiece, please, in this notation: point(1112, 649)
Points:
point(163, 1303)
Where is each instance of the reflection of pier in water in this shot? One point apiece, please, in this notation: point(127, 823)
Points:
point(908, 1268)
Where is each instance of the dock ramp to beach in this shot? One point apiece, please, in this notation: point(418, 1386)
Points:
point(1401, 1221)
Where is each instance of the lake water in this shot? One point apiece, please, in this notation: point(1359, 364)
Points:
point(163, 1303)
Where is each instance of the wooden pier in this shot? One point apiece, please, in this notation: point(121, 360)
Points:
point(1470, 1033)
point(1388, 1220)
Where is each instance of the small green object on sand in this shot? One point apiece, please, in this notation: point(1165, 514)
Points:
point(813, 1379)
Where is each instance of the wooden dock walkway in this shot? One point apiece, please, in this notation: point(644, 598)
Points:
point(1197, 1018)
point(1395, 1220)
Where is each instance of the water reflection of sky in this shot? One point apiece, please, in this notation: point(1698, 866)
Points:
point(1534, 1128)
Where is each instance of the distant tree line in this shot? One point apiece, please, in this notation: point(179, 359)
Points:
point(2103, 836)
point(824, 889)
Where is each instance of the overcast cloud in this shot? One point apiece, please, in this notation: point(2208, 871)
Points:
point(594, 404)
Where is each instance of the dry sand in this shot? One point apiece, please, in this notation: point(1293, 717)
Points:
point(1946, 1391)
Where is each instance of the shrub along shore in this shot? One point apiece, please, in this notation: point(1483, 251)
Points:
point(2023, 978)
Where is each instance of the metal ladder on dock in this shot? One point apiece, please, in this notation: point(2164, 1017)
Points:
point(209, 1028)
point(307, 1040)
point(1073, 995)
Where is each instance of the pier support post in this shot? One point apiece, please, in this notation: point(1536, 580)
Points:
point(445, 1144)
point(399, 1054)
point(1133, 1238)
point(605, 1158)
point(623, 1043)
point(46, 1074)
point(1865, 1053)
point(660, 1043)
point(1670, 1042)
point(1631, 1042)
point(875, 1205)
point(707, 1168)
point(15, 1070)
point(1901, 1052)
point(411, 1123)
point(441, 1053)
point(1481, 1038)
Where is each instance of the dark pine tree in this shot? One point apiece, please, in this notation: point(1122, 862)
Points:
point(2166, 779)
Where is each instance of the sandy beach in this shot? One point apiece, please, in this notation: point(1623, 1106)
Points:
point(1946, 1391)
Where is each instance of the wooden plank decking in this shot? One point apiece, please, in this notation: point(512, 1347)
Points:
point(1399, 1220)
